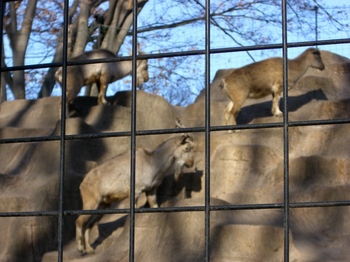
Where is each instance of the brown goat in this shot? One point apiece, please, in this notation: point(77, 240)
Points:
point(110, 182)
point(262, 78)
point(101, 73)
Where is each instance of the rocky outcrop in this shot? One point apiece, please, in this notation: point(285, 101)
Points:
point(246, 167)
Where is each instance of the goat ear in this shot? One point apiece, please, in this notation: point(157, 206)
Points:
point(138, 49)
point(148, 151)
point(138, 46)
point(186, 138)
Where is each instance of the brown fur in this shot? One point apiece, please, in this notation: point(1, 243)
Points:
point(263, 78)
point(110, 182)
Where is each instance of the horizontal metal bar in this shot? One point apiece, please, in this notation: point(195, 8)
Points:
point(320, 204)
point(70, 63)
point(279, 45)
point(319, 122)
point(98, 135)
point(176, 131)
point(182, 53)
point(231, 207)
point(29, 213)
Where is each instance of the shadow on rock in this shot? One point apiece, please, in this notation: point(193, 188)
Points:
point(260, 110)
point(107, 229)
point(170, 190)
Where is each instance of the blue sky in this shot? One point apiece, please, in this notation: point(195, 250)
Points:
point(218, 61)
point(238, 59)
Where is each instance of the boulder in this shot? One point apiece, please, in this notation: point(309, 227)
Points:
point(246, 168)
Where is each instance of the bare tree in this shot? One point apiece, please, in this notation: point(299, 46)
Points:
point(18, 33)
point(114, 23)
point(164, 28)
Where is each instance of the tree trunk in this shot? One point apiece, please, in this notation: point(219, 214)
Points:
point(6, 79)
point(3, 88)
point(82, 33)
point(19, 41)
point(116, 17)
point(49, 81)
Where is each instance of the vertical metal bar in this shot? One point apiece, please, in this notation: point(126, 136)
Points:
point(316, 23)
point(285, 131)
point(2, 12)
point(2, 76)
point(207, 131)
point(133, 136)
point(63, 133)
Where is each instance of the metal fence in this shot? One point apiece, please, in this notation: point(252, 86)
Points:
point(207, 129)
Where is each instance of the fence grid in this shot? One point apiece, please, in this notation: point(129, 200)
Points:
point(60, 213)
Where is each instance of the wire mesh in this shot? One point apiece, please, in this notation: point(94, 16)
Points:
point(207, 129)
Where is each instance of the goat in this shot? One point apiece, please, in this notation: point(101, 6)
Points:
point(110, 182)
point(101, 73)
point(262, 78)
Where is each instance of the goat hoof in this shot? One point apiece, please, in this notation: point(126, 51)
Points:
point(89, 252)
point(278, 114)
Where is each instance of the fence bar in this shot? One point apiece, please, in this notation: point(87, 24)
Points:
point(285, 131)
point(178, 131)
point(63, 132)
point(185, 53)
point(133, 136)
point(345, 203)
point(207, 131)
point(2, 13)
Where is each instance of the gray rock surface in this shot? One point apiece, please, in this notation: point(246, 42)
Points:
point(246, 168)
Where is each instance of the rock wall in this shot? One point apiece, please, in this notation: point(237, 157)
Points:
point(247, 167)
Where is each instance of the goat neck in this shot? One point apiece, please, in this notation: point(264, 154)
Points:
point(125, 68)
point(297, 67)
point(163, 155)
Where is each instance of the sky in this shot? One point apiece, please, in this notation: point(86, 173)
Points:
point(218, 61)
point(239, 59)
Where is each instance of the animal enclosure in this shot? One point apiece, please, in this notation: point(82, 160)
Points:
point(277, 190)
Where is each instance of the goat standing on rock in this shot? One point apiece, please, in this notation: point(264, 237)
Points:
point(262, 78)
point(100, 73)
point(110, 182)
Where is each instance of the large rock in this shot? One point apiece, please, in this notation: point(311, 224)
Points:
point(251, 243)
point(247, 167)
